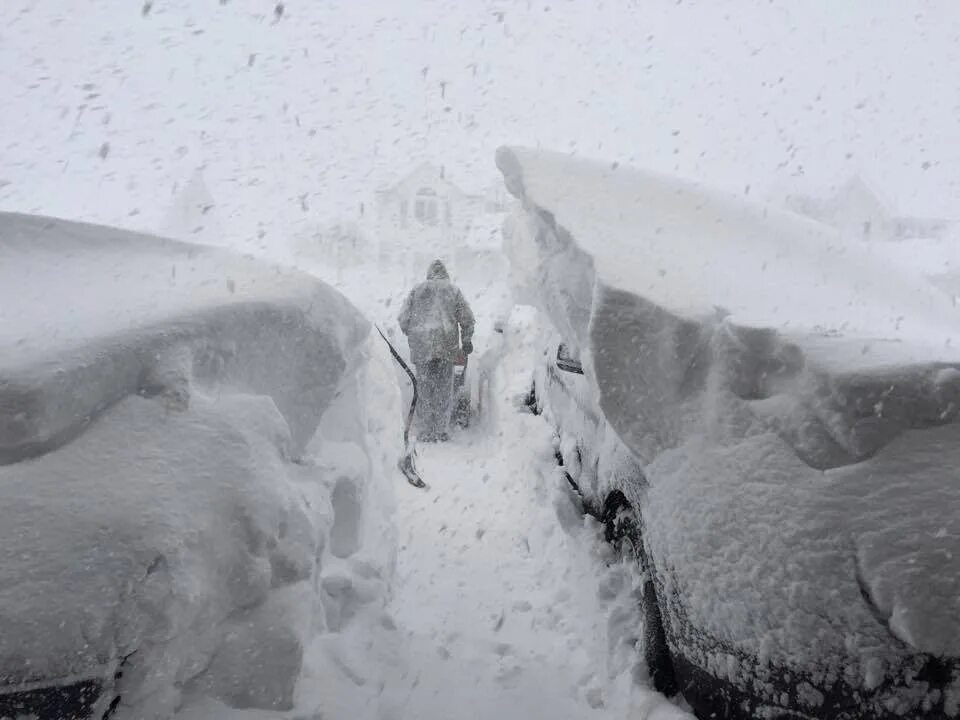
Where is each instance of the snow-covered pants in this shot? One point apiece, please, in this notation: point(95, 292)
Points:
point(435, 385)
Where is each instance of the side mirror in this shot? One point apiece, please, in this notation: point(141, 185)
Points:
point(566, 361)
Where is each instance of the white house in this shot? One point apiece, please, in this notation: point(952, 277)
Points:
point(423, 216)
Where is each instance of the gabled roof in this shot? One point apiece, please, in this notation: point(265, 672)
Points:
point(426, 168)
point(859, 184)
point(799, 194)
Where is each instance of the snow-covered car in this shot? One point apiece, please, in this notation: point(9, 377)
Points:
point(186, 471)
point(772, 418)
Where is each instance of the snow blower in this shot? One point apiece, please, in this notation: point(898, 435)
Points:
point(461, 392)
point(406, 463)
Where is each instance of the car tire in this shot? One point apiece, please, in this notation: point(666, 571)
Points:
point(622, 529)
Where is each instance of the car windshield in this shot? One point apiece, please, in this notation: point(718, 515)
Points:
point(383, 359)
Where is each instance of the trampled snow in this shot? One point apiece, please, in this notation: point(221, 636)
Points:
point(801, 501)
point(505, 601)
point(502, 604)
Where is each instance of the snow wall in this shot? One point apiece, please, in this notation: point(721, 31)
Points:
point(793, 408)
point(199, 456)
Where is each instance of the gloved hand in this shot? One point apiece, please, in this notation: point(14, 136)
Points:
point(467, 347)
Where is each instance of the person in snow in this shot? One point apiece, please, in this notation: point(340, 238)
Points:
point(438, 324)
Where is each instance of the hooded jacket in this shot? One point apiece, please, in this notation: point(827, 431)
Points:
point(435, 317)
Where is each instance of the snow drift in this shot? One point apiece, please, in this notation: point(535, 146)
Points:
point(195, 471)
point(793, 405)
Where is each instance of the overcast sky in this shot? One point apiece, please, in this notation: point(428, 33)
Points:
point(109, 108)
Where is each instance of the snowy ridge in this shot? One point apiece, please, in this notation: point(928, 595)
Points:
point(209, 505)
point(101, 313)
point(696, 253)
point(732, 355)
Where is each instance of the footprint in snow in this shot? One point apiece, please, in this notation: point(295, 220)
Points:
point(594, 698)
point(509, 674)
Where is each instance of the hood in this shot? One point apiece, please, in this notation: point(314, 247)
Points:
point(437, 271)
point(900, 511)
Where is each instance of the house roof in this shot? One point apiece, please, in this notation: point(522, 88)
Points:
point(830, 198)
point(424, 167)
point(859, 184)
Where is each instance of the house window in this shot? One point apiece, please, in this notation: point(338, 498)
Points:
point(403, 213)
point(425, 207)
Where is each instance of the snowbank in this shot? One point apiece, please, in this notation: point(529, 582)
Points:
point(97, 311)
point(211, 446)
point(509, 603)
point(696, 253)
point(739, 353)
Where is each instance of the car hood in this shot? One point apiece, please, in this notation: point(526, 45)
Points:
point(92, 311)
point(132, 538)
point(900, 510)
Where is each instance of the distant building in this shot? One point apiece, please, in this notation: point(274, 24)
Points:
point(859, 212)
point(422, 216)
point(427, 204)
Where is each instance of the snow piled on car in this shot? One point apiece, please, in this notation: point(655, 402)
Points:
point(696, 253)
point(199, 476)
point(793, 405)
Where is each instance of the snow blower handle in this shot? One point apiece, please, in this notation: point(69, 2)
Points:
point(406, 463)
point(413, 381)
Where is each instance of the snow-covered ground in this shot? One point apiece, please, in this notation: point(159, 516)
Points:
point(499, 597)
point(237, 540)
point(506, 603)
point(511, 604)
point(249, 123)
point(182, 510)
